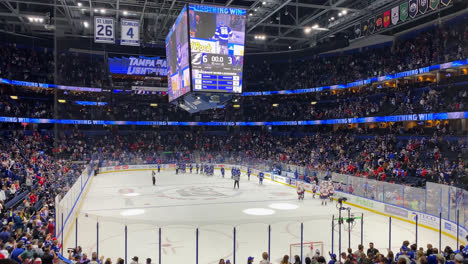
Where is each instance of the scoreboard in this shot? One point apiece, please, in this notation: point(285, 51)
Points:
point(217, 37)
point(205, 56)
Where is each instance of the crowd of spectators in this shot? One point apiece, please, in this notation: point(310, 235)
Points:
point(435, 45)
point(407, 254)
point(367, 101)
point(31, 176)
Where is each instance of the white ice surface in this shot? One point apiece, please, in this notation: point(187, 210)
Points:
point(179, 204)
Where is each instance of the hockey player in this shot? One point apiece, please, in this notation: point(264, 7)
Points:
point(191, 168)
point(197, 167)
point(300, 191)
point(153, 177)
point(159, 168)
point(222, 34)
point(314, 190)
point(331, 190)
point(324, 194)
point(248, 173)
point(177, 169)
point(222, 172)
point(260, 178)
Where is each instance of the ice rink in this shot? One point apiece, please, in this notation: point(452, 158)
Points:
point(179, 204)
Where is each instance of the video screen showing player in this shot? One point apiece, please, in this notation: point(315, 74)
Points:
point(178, 69)
point(217, 36)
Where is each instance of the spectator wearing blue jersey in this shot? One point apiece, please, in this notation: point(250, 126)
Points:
point(17, 252)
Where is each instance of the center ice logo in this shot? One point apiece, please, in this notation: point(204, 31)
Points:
point(199, 193)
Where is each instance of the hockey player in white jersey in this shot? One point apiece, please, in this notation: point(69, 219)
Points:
point(300, 191)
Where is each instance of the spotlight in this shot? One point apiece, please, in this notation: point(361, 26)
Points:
point(125, 13)
point(307, 30)
point(86, 24)
point(315, 26)
point(80, 4)
point(103, 11)
point(345, 12)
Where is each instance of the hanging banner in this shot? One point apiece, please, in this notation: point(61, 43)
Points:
point(378, 23)
point(104, 30)
point(434, 4)
point(413, 8)
point(357, 30)
point(404, 8)
point(395, 15)
point(423, 6)
point(446, 2)
point(364, 28)
point(130, 32)
point(386, 18)
point(371, 25)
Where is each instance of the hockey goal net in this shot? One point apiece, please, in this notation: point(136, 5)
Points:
point(309, 249)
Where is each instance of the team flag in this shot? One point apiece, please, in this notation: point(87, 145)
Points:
point(404, 11)
point(386, 18)
point(395, 15)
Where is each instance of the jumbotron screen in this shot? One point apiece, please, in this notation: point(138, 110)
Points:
point(217, 37)
point(177, 50)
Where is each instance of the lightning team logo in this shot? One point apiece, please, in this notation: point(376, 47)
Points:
point(197, 58)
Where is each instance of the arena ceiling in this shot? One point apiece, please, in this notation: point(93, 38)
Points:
point(272, 24)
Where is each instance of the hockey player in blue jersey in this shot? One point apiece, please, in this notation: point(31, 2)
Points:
point(260, 177)
point(222, 172)
point(159, 168)
point(248, 173)
point(222, 34)
point(191, 168)
point(197, 167)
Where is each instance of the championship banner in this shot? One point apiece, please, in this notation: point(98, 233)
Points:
point(104, 30)
point(434, 4)
point(395, 15)
point(404, 8)
point(423, 6)
point(364, 28)
point(130, 32)
point(357, 30)
point(446, 2)
point(378, 23)
point(371, 25)
point(413, 8)
point(386, 18)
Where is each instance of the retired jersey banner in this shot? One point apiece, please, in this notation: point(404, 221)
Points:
point(378, 23)
point(364, 28)
point(386, 18)
point(434, 4)
point(423, 6)
point(446, 2)
point(357, 30)
point(413, 8)
point(404, 8)
point(395, 15)
point(371, 25)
